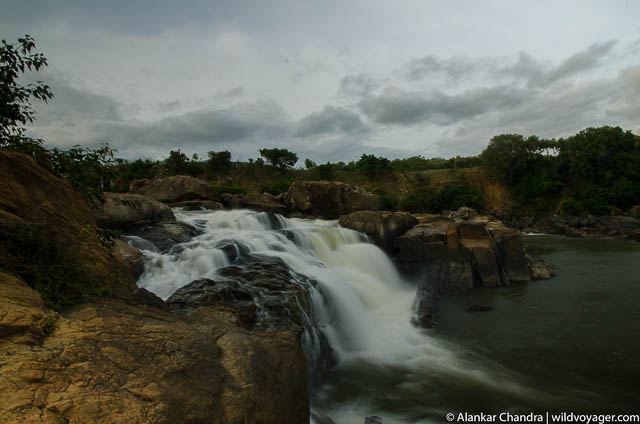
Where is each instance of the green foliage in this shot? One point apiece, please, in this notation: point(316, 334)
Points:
point(279, 158)
point(58, 274)
point(309, 164)
point(453, 196)
point(324, 172)
point(387, 201)
point(277, 187)
point(177, 163)
point(219, 162)
point(15, 99)
point(90, 171)
point(570, 206)
point(373, 167)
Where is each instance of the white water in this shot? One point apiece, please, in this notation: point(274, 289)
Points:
point(363, 306)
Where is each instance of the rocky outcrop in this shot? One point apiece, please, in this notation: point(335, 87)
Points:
point(634, 212)
point(165, 234)
point(263, 296)
point(198, 205)
point(130, 257)
point(32, 197)
point(115, 361)
point(264, 202)
point(454, 256)
point(122, 210)
point(329, 199)
point(382, 227)
point(627, 227)
point(174, 189)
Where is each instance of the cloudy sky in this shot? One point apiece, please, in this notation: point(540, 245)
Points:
point(329, 79)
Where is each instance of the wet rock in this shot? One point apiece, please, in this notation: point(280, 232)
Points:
point(164, 235)
point(121, 210)
point(318, 418)
point(329, 199)
point(539, 268)
point(262, 296)
point(130, 258)
point(382, 227)
point(194, 205)
point(174, 189)
point(373, 419)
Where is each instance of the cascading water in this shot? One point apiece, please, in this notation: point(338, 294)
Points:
point(362, 305)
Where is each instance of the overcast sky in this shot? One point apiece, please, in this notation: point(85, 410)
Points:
point(328, 79)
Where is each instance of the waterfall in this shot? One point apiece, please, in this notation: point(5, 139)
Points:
point(361, 305)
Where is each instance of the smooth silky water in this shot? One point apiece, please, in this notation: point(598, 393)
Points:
point(568, 344)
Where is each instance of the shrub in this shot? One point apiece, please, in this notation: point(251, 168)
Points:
point(58, 274)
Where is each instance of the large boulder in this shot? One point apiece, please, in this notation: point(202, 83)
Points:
point(122, 210)
point(453, 256)
point(164, 235)
point(382, 227)
point(264, 202)
point(264, 296)
point(34, 199)
point(174, 189)
point(329, 199)
point(114, 361)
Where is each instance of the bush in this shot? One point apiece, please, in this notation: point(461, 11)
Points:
point(387, 202)
point(57, 274)
point(453, 196)
point(570, 206)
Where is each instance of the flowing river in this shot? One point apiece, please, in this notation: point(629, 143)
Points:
point(567, 344)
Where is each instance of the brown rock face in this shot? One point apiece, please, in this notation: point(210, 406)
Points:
point(32, 196)
point(264, 202)
point(174, 189)
point(329, 199)
point(456, 256)
point(382, 227)
point(112, 362)
point(121, 210)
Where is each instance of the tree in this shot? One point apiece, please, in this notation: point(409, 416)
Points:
point(279, 158)
point(177, 162)
point(15, 99)
point(309, 164)
point(373, 167)
point(219, 161)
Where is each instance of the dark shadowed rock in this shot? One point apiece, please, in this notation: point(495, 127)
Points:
point(454, 256)
point(373, 419)
point(143, 296)
point(382, 227)
point(478, 308)
point(174, 189)
point(264, 297)
point(130, 257)
point(198, 205)
point(539, 268)
point(264, 202)
point(121, 210)
point(329, 199)
point(165, 234)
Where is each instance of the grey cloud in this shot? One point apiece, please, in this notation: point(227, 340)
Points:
point(358, 85)
point(453, 69)
point(538, 75)
point(330, 120)
point(395, 106)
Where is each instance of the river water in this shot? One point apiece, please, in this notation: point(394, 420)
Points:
point(567, 344)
